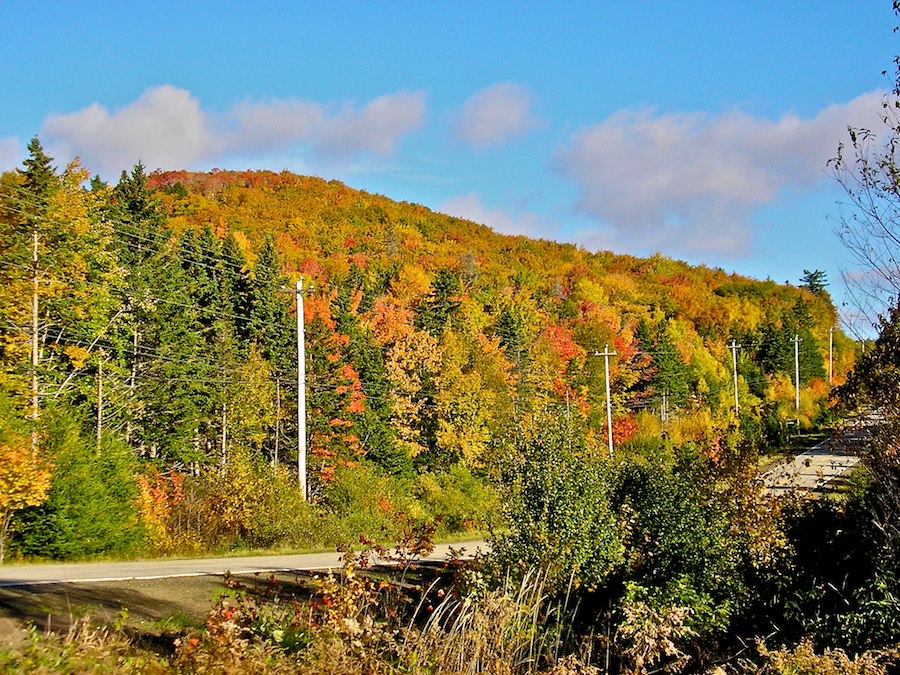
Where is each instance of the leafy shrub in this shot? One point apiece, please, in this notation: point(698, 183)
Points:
point(361, 501)
point(91, 506)
point(248, 504)
point(555, 499)
point(803, 660)
point(650, 632)
point(456, 500)
point(678, 539)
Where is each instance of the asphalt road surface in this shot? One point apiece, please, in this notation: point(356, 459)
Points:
point(30, 575)
point(818, 466)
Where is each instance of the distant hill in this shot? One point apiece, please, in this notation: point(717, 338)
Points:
point(539, 310)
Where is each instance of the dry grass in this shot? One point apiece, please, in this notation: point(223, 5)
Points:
point(356, 625)
point(803, 660)
point(344, 632)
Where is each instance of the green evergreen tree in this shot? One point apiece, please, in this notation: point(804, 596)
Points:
point(91, 507)
point(268, 320)
point(441, 304)
point(38, 178)
point(365, 355)
point(815, 282)
point(776, 353)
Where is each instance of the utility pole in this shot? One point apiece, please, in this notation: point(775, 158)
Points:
point(277, 422)
point(301, 388)
point(224, 436)
point(606, 354)
point(734, 346)
point(34, 333)
point(99, 400)
point(831, 354)
point(131, 383)
point(796, 371)
point(301, 393)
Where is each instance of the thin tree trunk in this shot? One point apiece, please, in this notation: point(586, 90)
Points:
point(4, 528)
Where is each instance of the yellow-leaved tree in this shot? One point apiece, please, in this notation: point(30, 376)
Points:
point(24, 477)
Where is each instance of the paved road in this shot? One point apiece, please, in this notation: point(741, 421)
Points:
point(818, 466)
point(26, 575)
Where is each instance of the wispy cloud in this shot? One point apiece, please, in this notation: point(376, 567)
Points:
point(166, 127)
point(377, 128)
point(470, 207)
point(10, 152)
point(691, 182)
point(259, 127)
point(496, 115)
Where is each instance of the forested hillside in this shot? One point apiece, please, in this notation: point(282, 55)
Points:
point(154, 319)
point(456, 384)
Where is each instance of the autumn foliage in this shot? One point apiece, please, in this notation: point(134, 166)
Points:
point(24, 478)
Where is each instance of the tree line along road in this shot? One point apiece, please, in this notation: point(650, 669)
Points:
point(810, 470)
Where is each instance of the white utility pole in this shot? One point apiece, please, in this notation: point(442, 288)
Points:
point(277, 422)
point(35, 356)
point(830, 354)
point(796, 342)
point(734, 346)
point(301, 393)
point(606, 354)
point(301, 389)
point(99, 401)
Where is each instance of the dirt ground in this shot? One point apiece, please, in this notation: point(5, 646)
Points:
point(155, 608)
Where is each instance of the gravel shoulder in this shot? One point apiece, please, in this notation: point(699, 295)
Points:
point(160, 597)
point(155, 607)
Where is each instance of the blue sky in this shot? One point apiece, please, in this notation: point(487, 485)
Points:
point(696, 129)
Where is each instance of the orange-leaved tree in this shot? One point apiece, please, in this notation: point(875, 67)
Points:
point(24, 478)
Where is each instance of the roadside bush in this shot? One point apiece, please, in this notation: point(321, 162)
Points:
point(362, 501)
point(248, 504)
point(91, 508)
point(803, 660)
point(678, 540)
point(834, 581)
point(555, 501)
point(456, 500)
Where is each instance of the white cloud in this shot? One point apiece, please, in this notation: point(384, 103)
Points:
point(377, 128)
point(166, 127)
point(10, 153)
point(690, 182)
point(495, 115)
point(470, 207)
point(259, 127)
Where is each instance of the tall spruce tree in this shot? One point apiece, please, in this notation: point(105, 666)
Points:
point(268, 320)
point(366, 357)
